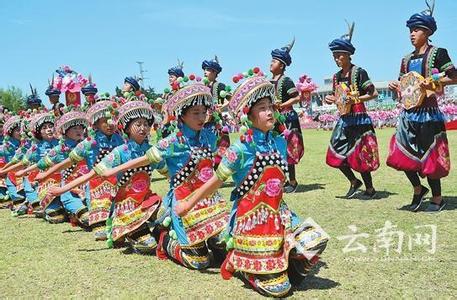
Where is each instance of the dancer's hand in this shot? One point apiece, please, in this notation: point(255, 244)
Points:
point(39, 177)
point(20, 173)
point(182, 208)
point(55, 191)
point(330, 99)
point(394, 86)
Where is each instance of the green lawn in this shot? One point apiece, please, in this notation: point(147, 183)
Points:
point(42, 260)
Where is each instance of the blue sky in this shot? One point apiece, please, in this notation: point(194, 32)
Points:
point(106, 38)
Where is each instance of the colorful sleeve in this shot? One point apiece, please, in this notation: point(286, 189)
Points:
point(108, 162)
point(290, 88)
point(50, 159)
point(80, 153)
point(17, 156)
point(364, 81)
point(231, 162)
point(29, 157)
point(443, 62)
point(155, 154)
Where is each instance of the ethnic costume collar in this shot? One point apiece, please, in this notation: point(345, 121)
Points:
point(138, 148)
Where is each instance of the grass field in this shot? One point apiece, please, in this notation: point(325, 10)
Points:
point(42, 260)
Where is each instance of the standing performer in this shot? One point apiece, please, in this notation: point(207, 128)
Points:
point(188, 155)
point(175, 74)
point(353, 145)
point(54, 94)
point(219, 91)
point(265, 238)
point(130, 85)
point(287, 96)
point(420, 146)
point(102, 139)
point(135, 205)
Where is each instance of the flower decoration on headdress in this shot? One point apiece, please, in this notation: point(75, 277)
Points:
point(11, 123)
point(254, 87)
point(132, 110)
point(344, 43)
point(38, 120)
point(306, 86)
point(72, 117)
point(69, 80)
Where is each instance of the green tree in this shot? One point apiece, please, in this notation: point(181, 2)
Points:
point(150, 93)
point(12, 99)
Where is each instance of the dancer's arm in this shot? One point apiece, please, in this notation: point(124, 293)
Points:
point(57, 191)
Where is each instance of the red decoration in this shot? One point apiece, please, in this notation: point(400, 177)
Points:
point(249, 132)
point(179, 134)
point(281, 128)
point(235, 79)
point(72, 98)
point(256, 70)
point(246, 110)
point(242, 138)
point(192, 77)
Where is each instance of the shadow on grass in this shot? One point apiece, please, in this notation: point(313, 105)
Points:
point(73, 230)
point(311, 282)
point(303, 188)
point(451, 204)
point(94, 249)
point(380, 195)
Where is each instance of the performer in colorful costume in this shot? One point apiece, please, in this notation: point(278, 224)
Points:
point(130, 84)
point(420, 145)
point(102, 139)
point(42, 128)
point(287, 95)
point(265, 238)
point(54, 94)
point(71, 126)
point(11, 142)
point(188, 156)
point(175, 77)
point(135, 205)
point(353, 145)
point(220, 93)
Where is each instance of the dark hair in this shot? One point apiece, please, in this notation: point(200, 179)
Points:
point(38, 131)
point(150, 122)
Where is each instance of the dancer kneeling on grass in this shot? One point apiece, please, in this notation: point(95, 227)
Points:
point(15, 194)
point(71, 204)
point(42, 128)
point(265, 238)
point(188, 155)
point(102, 139)
point(134, 203)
